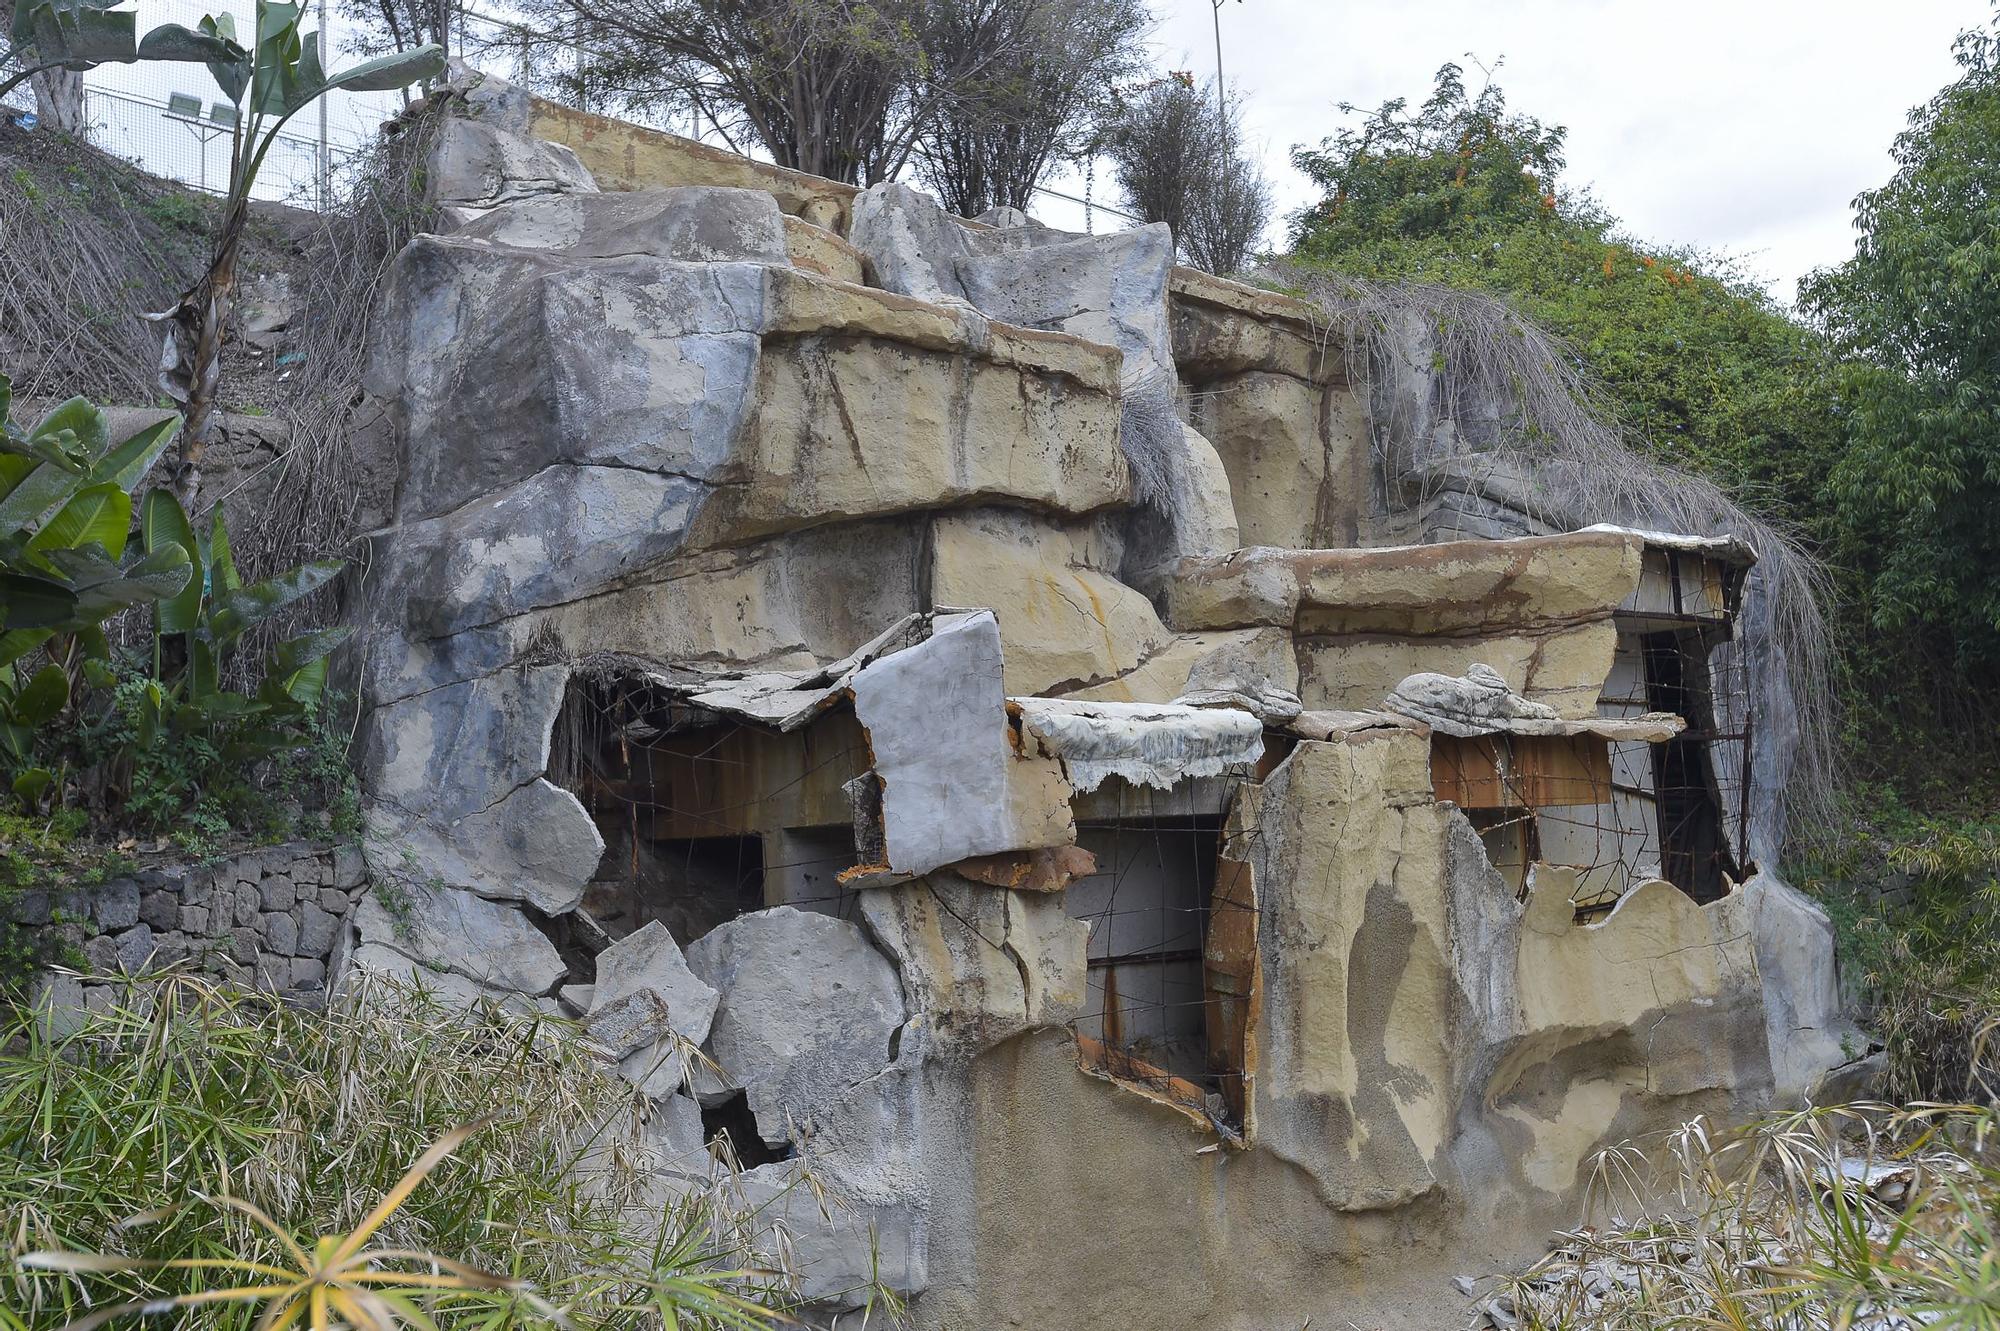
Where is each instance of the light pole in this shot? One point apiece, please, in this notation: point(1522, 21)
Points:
point(325, 181)
point(1221, 102)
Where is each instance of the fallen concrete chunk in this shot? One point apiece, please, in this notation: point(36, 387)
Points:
point(808, 1009)
point(637, 1020)
point(673, 1128)
point(1479, 702)
point(952, 785)
point(1148, 744)
point(648, 959)
point(460, 932)
point(787, 699)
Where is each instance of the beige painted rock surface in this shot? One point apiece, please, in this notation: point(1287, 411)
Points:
point(1065, 619)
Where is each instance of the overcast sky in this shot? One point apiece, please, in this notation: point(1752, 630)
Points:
point(1745, 125)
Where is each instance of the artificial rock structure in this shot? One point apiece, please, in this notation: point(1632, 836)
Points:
point(979, 685)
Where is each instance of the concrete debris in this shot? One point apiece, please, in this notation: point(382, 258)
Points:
point(1148, 744)
point(787, 699)
point(673, 1127)
point(649, 960)
point(264, 308)
point(638, 1020)
point(953, 787)
point(808, 1008)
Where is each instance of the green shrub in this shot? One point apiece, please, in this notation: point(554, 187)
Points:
point(65, 511)
point(1924, 976)
point(198, 780)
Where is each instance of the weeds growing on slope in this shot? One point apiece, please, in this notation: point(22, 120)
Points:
point(1857, 1218)
point(190, 1127)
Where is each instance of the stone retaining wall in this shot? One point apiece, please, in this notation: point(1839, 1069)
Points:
point(271, 918)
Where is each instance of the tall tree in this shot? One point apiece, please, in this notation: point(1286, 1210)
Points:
point(1179, 161)
point(382, 27)
point(993, 143)
point(1701, 364)
point(840, 88)
point(1917, 313)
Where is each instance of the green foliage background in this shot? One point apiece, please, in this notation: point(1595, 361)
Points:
point(1868, 422)
point(1705, 369)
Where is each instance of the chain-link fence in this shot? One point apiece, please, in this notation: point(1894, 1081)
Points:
point(191, 141)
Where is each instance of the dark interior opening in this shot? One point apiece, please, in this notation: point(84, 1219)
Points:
point(689, 884)
point(1694, 847)
point(705, 817)
point(732, 1121)
point(1154, 987)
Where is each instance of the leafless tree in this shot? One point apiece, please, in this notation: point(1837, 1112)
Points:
point(840, 88)
point(995, 140)
point(383, 26)
point(1178, 161)
point(1227, 216)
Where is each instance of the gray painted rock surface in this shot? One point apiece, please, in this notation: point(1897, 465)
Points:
point(695, 224)
point(648, 959)
point(808, 1008)
point(456, 931)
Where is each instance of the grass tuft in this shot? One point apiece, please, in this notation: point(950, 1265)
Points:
point(191, 1128)
point(1856, 1218)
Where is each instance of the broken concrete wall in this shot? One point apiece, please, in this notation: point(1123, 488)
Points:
point(933, 568)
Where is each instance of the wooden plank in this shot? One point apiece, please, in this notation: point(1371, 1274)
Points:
point(1521, 771)
point(739, 779)
point(1229, 980)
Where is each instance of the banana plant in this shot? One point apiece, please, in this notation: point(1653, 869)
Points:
point(210, 615)
point(270, 78)
point(65, 511)
point(27, 705)
point(83, 34)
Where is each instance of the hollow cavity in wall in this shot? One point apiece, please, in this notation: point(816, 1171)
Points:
point(706, 817)
point(1171, 950)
